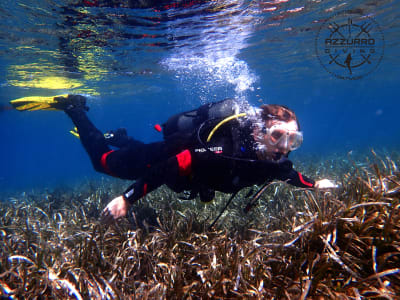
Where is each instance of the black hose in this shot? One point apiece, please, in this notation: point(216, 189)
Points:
point(222, 211)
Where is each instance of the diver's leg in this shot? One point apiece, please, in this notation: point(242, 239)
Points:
point(128, 162)
point(92, 139)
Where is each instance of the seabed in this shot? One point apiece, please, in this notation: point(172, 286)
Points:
point(294, 244)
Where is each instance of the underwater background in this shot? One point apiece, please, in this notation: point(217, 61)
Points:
point(138, 66)
point(335, 63)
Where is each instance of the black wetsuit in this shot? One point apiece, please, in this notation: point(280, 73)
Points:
point(184, 161)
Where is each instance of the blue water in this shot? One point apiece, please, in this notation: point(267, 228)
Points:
point(138, 66)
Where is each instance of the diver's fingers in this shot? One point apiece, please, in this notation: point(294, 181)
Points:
point(107, 220)
point(105, 212)
point(106, 216)
point(115, 209)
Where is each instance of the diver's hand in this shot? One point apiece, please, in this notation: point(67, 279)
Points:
point(117, 208)
point(325, 184)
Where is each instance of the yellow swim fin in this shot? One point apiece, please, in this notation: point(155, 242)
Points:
point(60, 102)
point(75, 132)
point(36, 103)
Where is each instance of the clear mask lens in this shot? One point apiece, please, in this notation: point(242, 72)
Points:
point(277, 135)
point(295, 140)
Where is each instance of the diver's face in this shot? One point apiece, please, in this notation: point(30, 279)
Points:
point(277, 138)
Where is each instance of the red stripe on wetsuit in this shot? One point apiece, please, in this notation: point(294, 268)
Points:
point(144, 190)
point(103, 162)
point(303, 181)
point(184, 163)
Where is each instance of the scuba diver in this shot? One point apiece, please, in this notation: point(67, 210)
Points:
point(223, 146)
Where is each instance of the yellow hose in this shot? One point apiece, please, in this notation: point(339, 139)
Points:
point(223, 122)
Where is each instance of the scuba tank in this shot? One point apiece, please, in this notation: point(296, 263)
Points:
point(181, 129)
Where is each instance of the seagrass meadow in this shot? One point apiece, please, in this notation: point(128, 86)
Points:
point(292, 244)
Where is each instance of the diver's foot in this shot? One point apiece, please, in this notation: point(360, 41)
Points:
point(70, 102)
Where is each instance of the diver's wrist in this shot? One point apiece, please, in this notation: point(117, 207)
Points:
point(128, 195)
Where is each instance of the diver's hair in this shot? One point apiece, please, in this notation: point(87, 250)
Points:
point(278, 112)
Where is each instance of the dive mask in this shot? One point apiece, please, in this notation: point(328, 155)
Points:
point(279, 135)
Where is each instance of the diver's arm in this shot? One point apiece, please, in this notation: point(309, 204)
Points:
point(167, 171)
point(285, 172)
point(293, 177)
point(119, 206)
point(297, 179)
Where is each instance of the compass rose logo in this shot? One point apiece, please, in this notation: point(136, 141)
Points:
point(349, 46)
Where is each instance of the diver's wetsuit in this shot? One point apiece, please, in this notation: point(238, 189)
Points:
point(183, 161)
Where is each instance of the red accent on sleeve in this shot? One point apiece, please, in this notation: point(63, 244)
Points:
point(144, 190)
point(303, 181)
point(90, 3)
point(184, 163)
point(157, 127)
point(103, 162)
